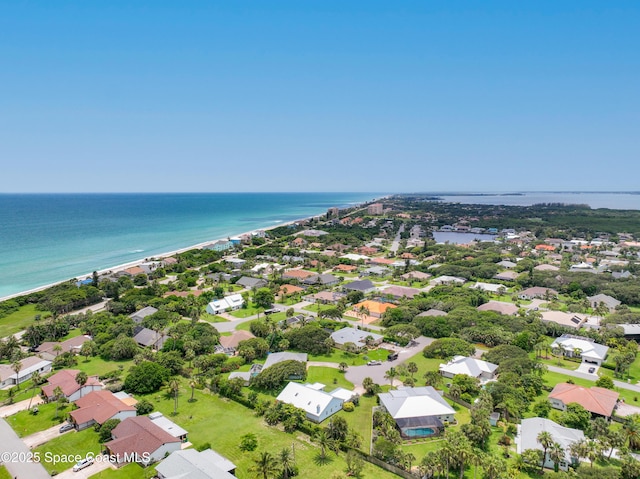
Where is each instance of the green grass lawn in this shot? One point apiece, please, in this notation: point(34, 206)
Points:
point(246, 326)
point(73, 443)
point(330, 377)
point(19, 320)
point(338, 356)
point(130, 471)
point(211, 318)
point(360, 420)
point(24, 423)
point(221, 423)
point(97, 366)
point(4, 474)
point(24, 392)
point(251, 310)
point(72, 334)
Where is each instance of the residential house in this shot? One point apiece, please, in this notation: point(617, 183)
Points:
point(235, 263)
point(220, 245)
point(138, 439)
point(299, 274)
point(193, 464)
point(571, 320)
point(66, 381)
point(71, 345)
point(316, 403)
point(322, 280)
point(444, 279)
point(598, 401)
point(546, 267)
point(609, 302)
point(489, 287)
point(527, 438)
point(433, 312)
point(375, 271)
point(289, 289)
point(416, 276)
point(476, 368)
point(252, 283)
point(507, 264)
point(356, 336)
point(139, 316)
point(148, 338)
point(325, 297)
point(28, 366)
point(400, 292)
point(507, 276)
point(168, 426)
point(364, 286)
point(537, 292)
point(230, 343)
point(98, 407)
point(508, 309)
point(577, 346)
point(228, 303)
point(373, 308)
point(418, 412)
point(345, 268)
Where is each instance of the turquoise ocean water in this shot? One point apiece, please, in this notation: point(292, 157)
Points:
point(47, 238)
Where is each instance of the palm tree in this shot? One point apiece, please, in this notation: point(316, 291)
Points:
point(58, 396)
point(265, 466)
point(391, 374)
point(324, 441)
point(556, 454)
point(632, 429)
point(17, 367)
point(35, 380)
point(412, 368)
point(494, 467)
point(593, 451)
point(433, 378)
point(287, 463)
point(546, 440)
point(57, 349)
point(174, 387)
point(81, 379)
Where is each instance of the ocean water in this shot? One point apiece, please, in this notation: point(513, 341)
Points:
point(611, 200)
point(47, 238)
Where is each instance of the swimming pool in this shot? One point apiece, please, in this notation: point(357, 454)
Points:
point(419, 432)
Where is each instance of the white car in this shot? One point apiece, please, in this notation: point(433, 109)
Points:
point(86, 462)
point(374, 363)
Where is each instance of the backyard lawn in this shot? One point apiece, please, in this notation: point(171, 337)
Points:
point(4, 474)
point(73, 443)
point(330, 377)
point(97, 366)
point(213, 318)
point(338, 356)
point(246, 312)
point(24, 423)
point(221, 422)
point(130, 471)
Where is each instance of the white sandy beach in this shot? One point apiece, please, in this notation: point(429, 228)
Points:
point(121, 267)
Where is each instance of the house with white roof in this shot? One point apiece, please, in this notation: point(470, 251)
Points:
point(195, 464)
point(577, 346)
point(355, 336)
point(168, 426)
point(527, 438)
point(476, 368)
point(418, 412)
point(316, 403)
point(228, 303)
point(489, 287)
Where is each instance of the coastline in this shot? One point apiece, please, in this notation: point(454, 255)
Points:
point(123, 266)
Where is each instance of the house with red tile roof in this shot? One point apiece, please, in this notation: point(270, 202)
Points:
point(138, 439)
point(98, 407)
point(375, 308)
point(66, 381)
point(598, 401)
point(545, 247)
point(346, 268)
point(298, 274)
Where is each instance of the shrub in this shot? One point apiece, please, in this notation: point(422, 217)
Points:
point(348, 406)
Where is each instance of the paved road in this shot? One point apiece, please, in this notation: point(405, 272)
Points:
point(19, 468)
point(356, 374)
point(590, 377)
point(395, 245)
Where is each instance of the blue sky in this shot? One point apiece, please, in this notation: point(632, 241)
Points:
point(319, 95)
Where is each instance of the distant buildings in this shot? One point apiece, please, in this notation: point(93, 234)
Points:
point(375, 209)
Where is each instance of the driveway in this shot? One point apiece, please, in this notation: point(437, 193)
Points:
point(17, 453)
point(11, 409)
point(38, 438)
point(584, 368)
point(356, 374)
point(87, 472)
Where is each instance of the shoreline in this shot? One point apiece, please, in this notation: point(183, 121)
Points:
point(159, 256)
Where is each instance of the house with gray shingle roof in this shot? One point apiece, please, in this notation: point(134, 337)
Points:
point(193, 464)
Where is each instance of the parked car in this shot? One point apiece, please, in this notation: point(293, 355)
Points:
point(374, 363)
point(392, 356)
point(66, 427)
point(592, 370)
point(86, 462)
